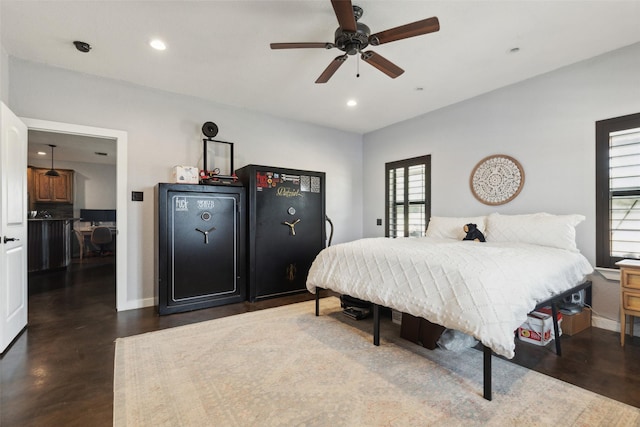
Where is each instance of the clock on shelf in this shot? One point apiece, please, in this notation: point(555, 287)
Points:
point(496, 179)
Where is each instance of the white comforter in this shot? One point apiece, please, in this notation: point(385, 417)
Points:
point(482, 289)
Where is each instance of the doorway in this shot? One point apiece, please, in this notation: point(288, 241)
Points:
point(119, 138)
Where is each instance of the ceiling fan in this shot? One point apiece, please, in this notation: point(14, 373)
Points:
point(352, 37)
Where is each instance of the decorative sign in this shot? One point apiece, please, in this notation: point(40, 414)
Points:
point(497, 179)
point(287, 185)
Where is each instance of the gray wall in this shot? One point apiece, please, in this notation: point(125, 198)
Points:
point(4, 70)
point(547, 123)
point(164, 131)
point(4, 75)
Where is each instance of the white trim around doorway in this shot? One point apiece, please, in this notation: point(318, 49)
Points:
point(120, 138)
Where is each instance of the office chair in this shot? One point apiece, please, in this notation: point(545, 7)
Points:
point(101, 236)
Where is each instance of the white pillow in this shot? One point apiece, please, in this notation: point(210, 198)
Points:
point(445, 227)
point(557, 231)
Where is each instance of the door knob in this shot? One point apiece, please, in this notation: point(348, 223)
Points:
point(9, 239)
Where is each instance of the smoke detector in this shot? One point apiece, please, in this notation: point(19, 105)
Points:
point(82, 46)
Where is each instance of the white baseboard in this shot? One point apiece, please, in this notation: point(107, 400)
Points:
point(604, 323)
point(139, 303)
point(610, 325)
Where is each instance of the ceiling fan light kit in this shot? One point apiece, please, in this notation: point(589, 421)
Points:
point(353, 37)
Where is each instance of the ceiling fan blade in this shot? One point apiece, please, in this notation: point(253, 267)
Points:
point(332, 68)
point(382, 64)
point(418, 28)
point(302, 45)
point(344, 13)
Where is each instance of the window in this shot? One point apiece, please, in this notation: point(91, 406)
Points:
point(617, 190)
point(408, 197)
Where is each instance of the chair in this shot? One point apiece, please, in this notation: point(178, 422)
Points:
point(101, 236)
point(81, 244)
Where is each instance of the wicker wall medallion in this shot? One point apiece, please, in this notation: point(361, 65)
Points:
point(497, 179)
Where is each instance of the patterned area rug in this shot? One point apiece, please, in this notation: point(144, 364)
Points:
point(285, 367)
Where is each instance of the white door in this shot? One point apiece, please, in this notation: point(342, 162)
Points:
point(13, 226)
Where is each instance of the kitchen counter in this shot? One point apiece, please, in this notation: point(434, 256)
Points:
point(49, 243)
point(54, 219)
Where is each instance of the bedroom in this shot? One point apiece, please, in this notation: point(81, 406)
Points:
point(546, 122)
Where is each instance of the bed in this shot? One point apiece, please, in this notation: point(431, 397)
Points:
point(483, 289)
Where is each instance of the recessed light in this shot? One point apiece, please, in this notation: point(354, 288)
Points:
point(41, 153)
point(157, 44)
point(352, 103)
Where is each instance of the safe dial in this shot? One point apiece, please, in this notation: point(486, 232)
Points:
point(206, 216)
point(291, 211)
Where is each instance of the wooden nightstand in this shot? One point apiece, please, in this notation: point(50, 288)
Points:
point(629, 294)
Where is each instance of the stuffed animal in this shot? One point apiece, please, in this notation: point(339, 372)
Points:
point(473, 233)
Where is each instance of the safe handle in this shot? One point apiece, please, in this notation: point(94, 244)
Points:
point(292, 226)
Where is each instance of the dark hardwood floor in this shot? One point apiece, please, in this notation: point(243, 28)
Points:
point(59, 372)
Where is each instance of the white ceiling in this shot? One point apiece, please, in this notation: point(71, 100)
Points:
point(71, 148)
point(219, 50)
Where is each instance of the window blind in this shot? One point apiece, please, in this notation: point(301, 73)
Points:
point(624, 190)
point(408, 197)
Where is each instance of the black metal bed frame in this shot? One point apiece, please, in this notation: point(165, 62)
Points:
point(487, 352)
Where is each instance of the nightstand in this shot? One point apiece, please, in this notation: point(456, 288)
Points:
point(629, 294)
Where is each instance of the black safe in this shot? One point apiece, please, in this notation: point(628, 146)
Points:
point(200, 246)
point(286, 227)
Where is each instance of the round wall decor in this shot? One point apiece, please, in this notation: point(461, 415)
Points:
point(497, 179)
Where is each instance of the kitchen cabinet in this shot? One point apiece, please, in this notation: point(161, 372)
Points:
point(43, 188)
point(49, 244)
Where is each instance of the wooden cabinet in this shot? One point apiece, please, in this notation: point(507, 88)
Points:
point(43, 188)
point(629, 294)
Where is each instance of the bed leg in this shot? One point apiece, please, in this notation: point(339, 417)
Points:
point(376, 324)
point(487, 371)
point(317, 302)
point(554, 313)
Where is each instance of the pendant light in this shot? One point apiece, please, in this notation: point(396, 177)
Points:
point(52, 171)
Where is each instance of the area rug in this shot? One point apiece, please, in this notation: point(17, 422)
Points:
point(286, 367)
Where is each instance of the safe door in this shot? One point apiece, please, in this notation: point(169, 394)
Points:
point(203, 245)
point(287, 223)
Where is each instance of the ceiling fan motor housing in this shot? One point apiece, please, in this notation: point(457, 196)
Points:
point(352, 43)
point(353, 37)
